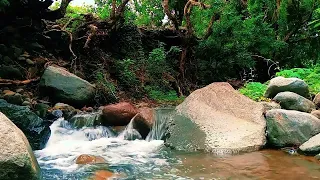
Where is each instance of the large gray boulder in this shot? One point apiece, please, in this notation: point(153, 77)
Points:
point(218, 119)
point(36, 129)
point(281, 84)
point(288, 127)
point(63, 86)
point(292, 101)
point(312, 146)
point(17, 160)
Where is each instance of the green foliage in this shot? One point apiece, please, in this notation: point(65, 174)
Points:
point(163, 97)
point(310, 75)
point(157, 65)
point(107, 90)
point(126, 73)
point(3, 4)
point(300, 73)
point(150, 12)
point(254, 90)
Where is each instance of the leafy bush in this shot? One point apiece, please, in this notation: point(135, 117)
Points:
point(107, 88)
point(126, 73)
point(3, 4)
point(254, 90)
point(163, 97)
point(300, 73)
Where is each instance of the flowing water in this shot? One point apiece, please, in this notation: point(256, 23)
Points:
point(150, 159)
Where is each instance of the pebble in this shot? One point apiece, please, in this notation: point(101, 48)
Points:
point(26, 103)
point(19, 90)
point(21, 58)
point(9, 93)
point(29, 61)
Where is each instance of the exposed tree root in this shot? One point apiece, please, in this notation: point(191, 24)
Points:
point(6, 82)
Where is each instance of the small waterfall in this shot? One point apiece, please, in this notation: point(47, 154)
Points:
point(160, 126)
point(85, 120)
point(64, 130)
point(130, 133)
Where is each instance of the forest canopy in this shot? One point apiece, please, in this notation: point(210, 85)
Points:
point(218, 39)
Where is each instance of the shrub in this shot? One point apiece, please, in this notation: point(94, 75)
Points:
point(126, 73)
point(163, 97)
point(107, 91)
point(254, 90)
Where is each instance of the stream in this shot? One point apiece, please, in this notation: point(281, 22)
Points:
point(150, 159)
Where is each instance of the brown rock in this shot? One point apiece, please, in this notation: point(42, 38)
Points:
point(119, 128)
point(316, 100)
point(102, 175)
point(118, 114)
point(144, 121)
point(316, 113)
point(8, 93)
point(89, 159)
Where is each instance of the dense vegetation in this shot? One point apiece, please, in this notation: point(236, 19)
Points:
point(162, 46)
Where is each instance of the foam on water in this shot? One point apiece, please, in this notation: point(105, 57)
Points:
point(134, 158)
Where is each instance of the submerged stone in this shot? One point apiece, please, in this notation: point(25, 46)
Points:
point(89, 159)
point(312, 146)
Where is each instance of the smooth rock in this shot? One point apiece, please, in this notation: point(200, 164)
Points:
point(21, 58)
point(293, 101)
point(144, 121)
point(19, 90)
point(119, 114)
point(8, 93)
point(316, 100)
point(16, 99)
point(10, 72)
point(30, 124)
point(30, 62)
point(41, 109)
point(316, 113)
point(17, 160)
point(102, 175)
point(270, 105)
point(290, 128)
point(66, 87)
point(281, 84)
point(27, 103)
point(89, 159)
point(218, 119)
point(68, 111)
point(312, 146)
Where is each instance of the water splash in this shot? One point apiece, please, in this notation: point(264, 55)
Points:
point(130, 133)
point(138, 159)
point(63, 130)
point(160, 126)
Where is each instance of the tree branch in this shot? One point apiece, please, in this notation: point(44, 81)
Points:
point(165, 5)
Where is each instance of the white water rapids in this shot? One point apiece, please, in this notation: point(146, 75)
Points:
point(134, 159)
